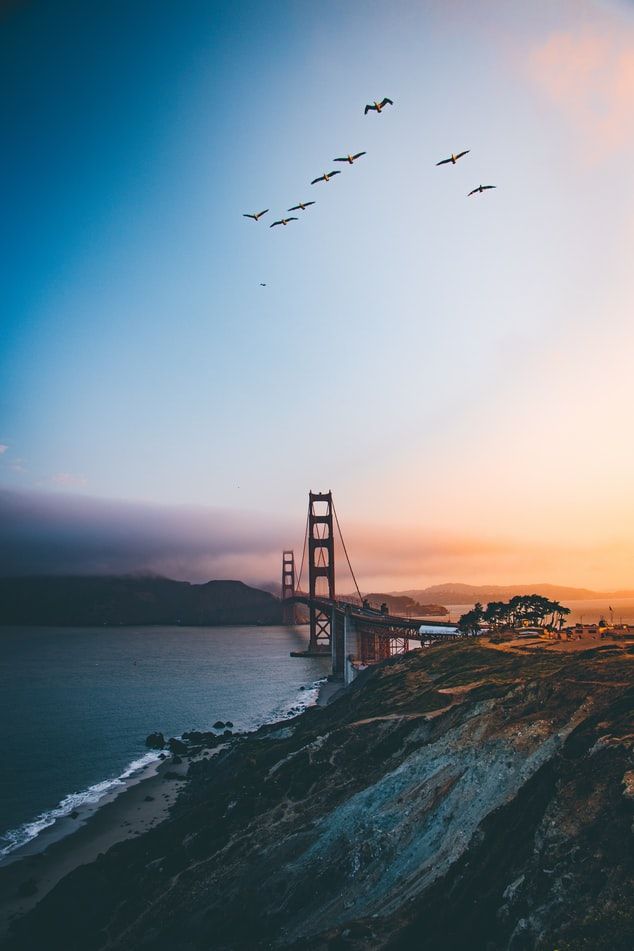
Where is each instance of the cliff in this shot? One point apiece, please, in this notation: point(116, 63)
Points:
point(459, 797)
point(107, 601)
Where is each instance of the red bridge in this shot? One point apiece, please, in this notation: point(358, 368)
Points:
point(352, 632)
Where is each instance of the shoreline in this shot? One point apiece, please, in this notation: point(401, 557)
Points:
point(32, 870)
point(143, 803)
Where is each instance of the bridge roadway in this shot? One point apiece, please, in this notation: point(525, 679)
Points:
point(373, 616)
point(361, 636)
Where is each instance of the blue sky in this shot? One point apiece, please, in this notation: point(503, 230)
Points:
point(411, 346)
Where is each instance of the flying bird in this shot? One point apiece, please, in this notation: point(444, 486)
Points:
point(282, 221)
point(349, 158)
point(453, 158)
point(480, 188)
point(261, 285)
point(303, 205)
point(377, 106)
point(257, 215)
point(325, 177)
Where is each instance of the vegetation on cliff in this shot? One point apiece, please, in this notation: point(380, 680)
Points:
point(459, 797)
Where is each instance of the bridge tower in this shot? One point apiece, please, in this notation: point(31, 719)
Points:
point(288, 587)
point(321, 564)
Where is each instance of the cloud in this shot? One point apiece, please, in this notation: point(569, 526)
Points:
point(3, 448)
point(53, 533)
point(69, 480)
point(588, 74)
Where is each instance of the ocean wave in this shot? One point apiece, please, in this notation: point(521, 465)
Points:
point(305, 697)
point(15, 838)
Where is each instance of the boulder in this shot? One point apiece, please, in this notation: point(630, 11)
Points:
point(149, 798)
point(155, 741)
point(177, 746)
point(229, 725)
point(219, 725)
point(176, 759)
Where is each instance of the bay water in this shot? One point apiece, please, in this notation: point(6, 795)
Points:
point(77, 703)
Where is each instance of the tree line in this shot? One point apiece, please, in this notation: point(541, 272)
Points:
point(524, 609)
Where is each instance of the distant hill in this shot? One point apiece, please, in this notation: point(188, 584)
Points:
point(114, 601)
point(404, 605)
point(455, 593)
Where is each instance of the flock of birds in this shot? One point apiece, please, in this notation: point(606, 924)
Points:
point(350, 159)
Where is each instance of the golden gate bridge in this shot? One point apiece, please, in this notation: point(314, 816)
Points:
point(350, 631)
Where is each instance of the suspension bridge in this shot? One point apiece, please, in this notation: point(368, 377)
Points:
point(350, 631)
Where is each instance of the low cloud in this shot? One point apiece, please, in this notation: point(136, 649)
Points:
point(59, 533)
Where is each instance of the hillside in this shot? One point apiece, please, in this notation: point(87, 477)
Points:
point(456, 593)
point(457, 798)
point(117, 601)
point(406, 606)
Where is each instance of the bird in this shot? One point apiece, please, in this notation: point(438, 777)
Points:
point(453, 158)
point(480, 188)
point(349, 158)
point(303, 205)
point(257, 215)
point(325, 177)
point(282, 221)
point(377, 106)
point(262, 285)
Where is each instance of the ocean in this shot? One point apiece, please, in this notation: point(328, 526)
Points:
point(77, 703)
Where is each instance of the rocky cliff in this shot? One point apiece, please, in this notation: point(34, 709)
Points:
point(459, 797)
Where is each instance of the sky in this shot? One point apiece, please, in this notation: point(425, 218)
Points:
point(457, 370)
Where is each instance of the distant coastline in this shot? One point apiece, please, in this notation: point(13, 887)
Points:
point(132, 600)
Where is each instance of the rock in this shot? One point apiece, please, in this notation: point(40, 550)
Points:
point(170, 774)
point(227, 733)
point(176, 759)
point(149, 798)
point(155, 741)
point(219, 725)
point(177, 746)
point(162, 756)
point(229, 725)
point(74, 814)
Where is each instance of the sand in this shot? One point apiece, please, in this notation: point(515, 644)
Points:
point(55, 853)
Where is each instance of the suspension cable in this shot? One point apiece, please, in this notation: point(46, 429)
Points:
point(346, 552)
point(301, 568)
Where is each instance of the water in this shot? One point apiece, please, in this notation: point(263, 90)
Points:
point(77, 703)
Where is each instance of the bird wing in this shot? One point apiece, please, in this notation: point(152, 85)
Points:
point(340, 160)
point(386, 101)
point(320, 179)
point(460, 154)
point(473, 192)
point(367, 109)
point(336, 172)
point(249, 216)
point(291, 219)
point(294, 208)
point(260, 213)
point(275, 223)
point(358, 155)
point(306, 203)
point(444, 161)
point(488, 186)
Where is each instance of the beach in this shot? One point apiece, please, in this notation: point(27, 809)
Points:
point(31, 871)
point(144, 803)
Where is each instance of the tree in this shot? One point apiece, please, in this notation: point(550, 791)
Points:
point(469, 623)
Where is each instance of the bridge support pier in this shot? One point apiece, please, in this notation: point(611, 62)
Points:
point(351, 647)
point(321, 565)
point(289, 613)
